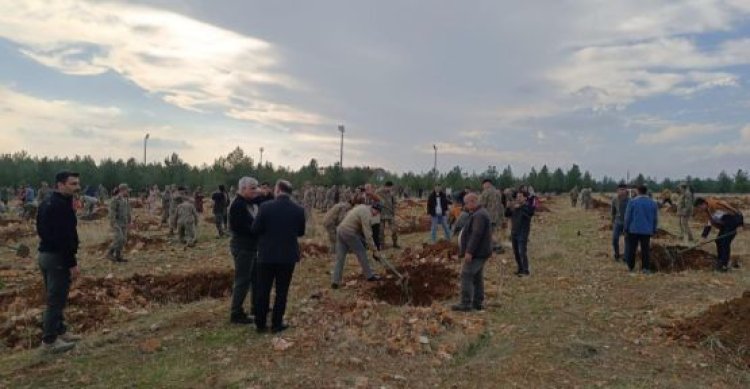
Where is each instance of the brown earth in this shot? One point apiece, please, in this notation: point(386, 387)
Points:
point(136, 242)
point(724, 327)
point(427, 282)
point(95, 303)
point(312, 249)
point(670, 259)
point(15, 231)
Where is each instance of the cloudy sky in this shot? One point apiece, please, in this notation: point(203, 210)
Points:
point(658, 86)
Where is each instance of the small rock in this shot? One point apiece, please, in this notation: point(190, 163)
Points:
point(424, 340)
point(154, 327)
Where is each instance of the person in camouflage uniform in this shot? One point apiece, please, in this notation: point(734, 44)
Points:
point(308, 200)
point(331, 195)
point(320, 197)
point(187, 220)
point(492, 200)
point(181, 192)
point(166, 201)
point(574, 196)
point(332, 219)
point(119, 220)
point(586, 200)
point(685, 211)
point(388, 214)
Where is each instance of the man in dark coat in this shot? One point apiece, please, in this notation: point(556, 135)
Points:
point(278, 225)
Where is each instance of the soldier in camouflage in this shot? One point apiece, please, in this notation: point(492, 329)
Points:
point(574, 196)
point(492, 200)
point(187, 220)
point(119, 221)
point(180, 192)
point(685, 211)
point(166, 201)
point(388, 214)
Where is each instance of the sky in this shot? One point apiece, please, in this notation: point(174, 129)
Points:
point(660, 87)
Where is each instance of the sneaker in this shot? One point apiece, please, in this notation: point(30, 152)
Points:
point(461, 308)
point(70, 337)
point(57, 347)
point(334, 286)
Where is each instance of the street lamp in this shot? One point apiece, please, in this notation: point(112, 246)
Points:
point(434, 165)
point(145, 141)
point(341, 152)
point(261, 157)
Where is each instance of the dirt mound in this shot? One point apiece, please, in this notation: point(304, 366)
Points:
point(428, 282)
point(723, 327)
point(663, 234)
point(147, 223)
point(313, 250)
point(99, 213)
point(96, 302)
point(669, 259)
point(408, 225)
point(442, 249)
point(600, 204)
point(136, 242)
point(15, 231)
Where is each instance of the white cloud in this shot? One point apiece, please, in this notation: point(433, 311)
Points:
point(189, 63)
point(675, 133)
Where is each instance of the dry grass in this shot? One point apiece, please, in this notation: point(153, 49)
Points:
point(579, 321)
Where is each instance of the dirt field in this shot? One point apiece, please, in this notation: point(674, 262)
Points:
point(580, 320)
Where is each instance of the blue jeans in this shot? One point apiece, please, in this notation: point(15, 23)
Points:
point(617, 231)
point(443, 220)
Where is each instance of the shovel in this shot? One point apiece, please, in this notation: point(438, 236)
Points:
point(21, 250)
point(402, 279)
point(695, 246)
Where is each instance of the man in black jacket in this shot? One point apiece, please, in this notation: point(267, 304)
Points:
point(244, 246)
point(56, 225)
point(278, 225)
point(221, 203)
point(520, 213)
point(475, 249)
point(437, 208)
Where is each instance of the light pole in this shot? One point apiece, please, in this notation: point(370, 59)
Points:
point(145, 141)
point(434, 165)
point(261, 157)
point(341, 152)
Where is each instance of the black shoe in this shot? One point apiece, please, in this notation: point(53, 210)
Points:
point(519, 273)
point(334, 286)
point(461, 308)
point(479, 307)
point(617, 257)
point(281, 328)
point(244, 319)
point(526, 273)
point(374, 277)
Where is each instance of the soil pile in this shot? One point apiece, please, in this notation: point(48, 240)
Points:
point(669, 259)
point(136, 242)
point(313, 250)
point(663, 234)
point(428, 282)
point(723, 327)
point(96, 302)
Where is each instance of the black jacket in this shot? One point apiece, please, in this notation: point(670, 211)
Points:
point(242, 213)
point(278, 225)
point(56, 225)
point(520, 219)
point(476, 237)
point(432, 202)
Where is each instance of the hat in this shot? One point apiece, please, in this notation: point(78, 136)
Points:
point(123, 186)
point(377, 206)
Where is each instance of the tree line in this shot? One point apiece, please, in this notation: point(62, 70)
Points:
point(21, 168)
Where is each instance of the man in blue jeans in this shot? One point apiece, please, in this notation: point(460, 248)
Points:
point(437, 208)
point(619, 205)
point(641, 220)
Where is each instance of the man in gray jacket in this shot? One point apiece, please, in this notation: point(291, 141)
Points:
point(475, 249)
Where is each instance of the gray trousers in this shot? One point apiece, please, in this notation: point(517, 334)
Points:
point(346, 242)
point(472, 282)
point(56, 278)
point(244, 277)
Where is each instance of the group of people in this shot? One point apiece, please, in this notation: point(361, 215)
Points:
point(636, 217)
point(264, 225)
